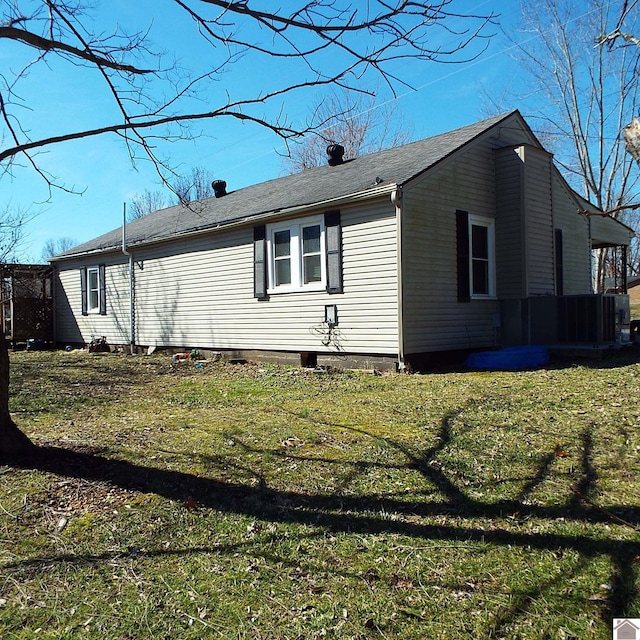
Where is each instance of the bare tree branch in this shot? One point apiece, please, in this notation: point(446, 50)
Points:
point(52, 247)
point(617, 34)
point(352, 120)
point(12, 222)
point(583, 97)
point(44, 44)
point(145, 203)
point(361, 40)
point(137, 125)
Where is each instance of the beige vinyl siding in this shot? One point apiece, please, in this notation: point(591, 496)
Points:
point(510, 246)
point(71, 325)
point(576, 243)
point(68, 303)
point(539, 222)
point(524, 227)
point(199, 293)
point(433, 318)
point(606, 230)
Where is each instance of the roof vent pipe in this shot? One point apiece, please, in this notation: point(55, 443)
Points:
point(335, 153)
point(219, 188)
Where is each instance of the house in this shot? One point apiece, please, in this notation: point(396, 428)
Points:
point(625, 630)
point(462, 241)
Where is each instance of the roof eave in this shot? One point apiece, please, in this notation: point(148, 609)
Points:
point(372, 193)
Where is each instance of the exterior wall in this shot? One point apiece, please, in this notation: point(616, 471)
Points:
point(502, 175)
point(199, 293)
point(433, 319)
point(576, 243)
point(524, 227)
point(71, 326)
point(538, 217)
point(510, 227)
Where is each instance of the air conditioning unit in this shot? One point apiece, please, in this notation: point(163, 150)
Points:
point(594, 319)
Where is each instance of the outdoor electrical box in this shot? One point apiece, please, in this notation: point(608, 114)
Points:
point(331, 315)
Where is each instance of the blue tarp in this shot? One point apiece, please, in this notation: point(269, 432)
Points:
point(509, 359)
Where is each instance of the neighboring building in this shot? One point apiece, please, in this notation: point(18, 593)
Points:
point(633, 289)
point(463, 241)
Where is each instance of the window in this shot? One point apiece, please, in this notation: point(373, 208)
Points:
point(92, 283)
point(476, 256)
point(482, 266)
point(311, 254)
point(299, 255)
point(296, 252)
point(282, 257)
point(93, 290)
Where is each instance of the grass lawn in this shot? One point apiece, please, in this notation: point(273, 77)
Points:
point(263, 502)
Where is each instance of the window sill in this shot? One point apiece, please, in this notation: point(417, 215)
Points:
point(307, 289)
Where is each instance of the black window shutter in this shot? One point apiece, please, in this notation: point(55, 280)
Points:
point(103, 290)
point(260, 262)
point(83, 290)
point(462, 235)
point(559, 250)
point(333, 240)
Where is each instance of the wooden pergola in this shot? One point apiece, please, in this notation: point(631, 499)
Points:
point(26, 302)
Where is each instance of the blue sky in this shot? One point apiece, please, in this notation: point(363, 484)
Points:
point(442, 97)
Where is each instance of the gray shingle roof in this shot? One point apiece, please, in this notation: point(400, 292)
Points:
point(394, 166)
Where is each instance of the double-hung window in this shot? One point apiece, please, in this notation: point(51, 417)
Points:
point(298, 255)
point(482, 256)
point(476, 256)
point(93, 290)
point(312, 241)
point(296, 252)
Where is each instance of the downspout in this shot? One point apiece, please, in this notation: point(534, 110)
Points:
point(132, 341)
point(396, 199)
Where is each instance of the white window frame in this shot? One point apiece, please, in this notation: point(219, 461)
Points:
point(489, 223)
point(295, 228)
point(90, 272)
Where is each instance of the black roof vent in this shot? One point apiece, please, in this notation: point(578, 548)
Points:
point(335, 153)
point(219, 188)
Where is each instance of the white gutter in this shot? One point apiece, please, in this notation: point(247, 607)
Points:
point(132, 341)
point(396, 199)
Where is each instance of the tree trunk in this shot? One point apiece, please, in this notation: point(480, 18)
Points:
point(13, 443)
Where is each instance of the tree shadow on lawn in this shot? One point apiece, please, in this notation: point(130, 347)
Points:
point(339, 513)
point(613, 358)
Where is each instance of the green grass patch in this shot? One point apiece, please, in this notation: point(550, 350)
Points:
point(258, 501)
